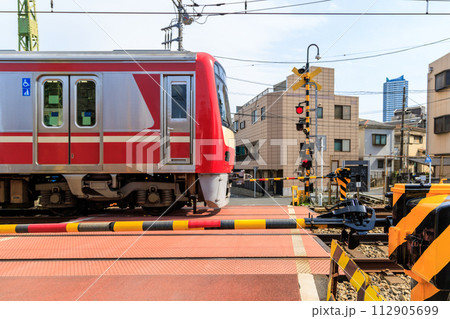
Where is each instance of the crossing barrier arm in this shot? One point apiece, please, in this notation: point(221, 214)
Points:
point(366, 291)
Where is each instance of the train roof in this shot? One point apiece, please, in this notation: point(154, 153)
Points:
point(116, 55)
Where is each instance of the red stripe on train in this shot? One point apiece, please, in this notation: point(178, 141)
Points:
point(16, 153)
point(95, 67)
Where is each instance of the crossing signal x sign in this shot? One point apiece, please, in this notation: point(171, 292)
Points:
point(302, 81)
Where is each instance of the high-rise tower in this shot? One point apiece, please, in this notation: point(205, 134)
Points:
point(393, 96)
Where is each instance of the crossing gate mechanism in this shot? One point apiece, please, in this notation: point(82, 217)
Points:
point(419, 239)
point(358, 278)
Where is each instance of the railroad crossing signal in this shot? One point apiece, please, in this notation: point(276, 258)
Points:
point(302, 82)
point(305, 79)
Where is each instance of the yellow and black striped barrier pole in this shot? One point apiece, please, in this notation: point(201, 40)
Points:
point(282, 178)
point(360, 280)
point(121, 226)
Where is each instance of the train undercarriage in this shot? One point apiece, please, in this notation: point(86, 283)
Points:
point(68, 194)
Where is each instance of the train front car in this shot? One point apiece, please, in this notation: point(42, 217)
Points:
point(148, 129)
point(215, 143)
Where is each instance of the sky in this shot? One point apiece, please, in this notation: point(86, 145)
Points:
point(282, 38)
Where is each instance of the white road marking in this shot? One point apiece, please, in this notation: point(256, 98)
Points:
point(308, 289)
point(6, 238)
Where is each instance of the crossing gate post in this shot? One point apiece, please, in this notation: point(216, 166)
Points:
point(342, 179)
point(295, 201)
point(358, 278)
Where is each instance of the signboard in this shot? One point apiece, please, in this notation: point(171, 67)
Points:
point(26, 86)
point(428, 160)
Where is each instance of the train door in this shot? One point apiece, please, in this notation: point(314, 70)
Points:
point(178, 117)
point(69, 121)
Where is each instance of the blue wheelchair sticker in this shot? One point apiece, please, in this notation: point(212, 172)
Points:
point(26, 86)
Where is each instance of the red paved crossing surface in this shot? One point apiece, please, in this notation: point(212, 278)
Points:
point(164, 265)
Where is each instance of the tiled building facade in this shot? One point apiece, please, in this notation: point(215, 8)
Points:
point(267, 124)
point(438, 109)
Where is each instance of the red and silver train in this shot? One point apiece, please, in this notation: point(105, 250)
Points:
point(136, 128)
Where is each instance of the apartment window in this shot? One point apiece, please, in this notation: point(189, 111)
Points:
point(241, 153)
point(320, 112)
point(341, 145)
point(380, 163)
point(417, 139)
point(242, 125)
point(442, 124)
point(236, 126)
point(442, 80)
point(397, 139)
point(263, 113)
point(342, 112)
point(254, 116)
point(379, 139)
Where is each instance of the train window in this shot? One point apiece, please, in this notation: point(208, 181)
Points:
point(86, 110)
point(53, 103)
point(222, 95)
point(179, 101)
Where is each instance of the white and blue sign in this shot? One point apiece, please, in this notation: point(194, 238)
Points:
point(26, 86)
point(428, 160)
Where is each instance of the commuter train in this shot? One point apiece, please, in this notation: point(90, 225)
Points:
point(134, 128)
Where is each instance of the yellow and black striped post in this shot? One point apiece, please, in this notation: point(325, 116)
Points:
point(280, 178)
point(358, 278)
point(420, 236)
point(342, 179)
point(307, 131)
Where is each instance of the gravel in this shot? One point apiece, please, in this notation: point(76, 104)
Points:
point(400, 291)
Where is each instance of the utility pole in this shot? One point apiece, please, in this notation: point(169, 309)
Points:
point(180, 25)
point(28, 27)
point(182, 18)
point(402, 161)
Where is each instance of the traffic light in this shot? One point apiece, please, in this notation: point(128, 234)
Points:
point(299, 108)
point(306, 163)
point(301, 124)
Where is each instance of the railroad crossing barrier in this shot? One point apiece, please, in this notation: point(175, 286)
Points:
point(160, 225)
point(419, 239)
point(366, 291)
point(356, 217)
point(282, 178)
point(341, 176)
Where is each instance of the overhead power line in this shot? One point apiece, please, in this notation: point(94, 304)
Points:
point(239, 13)
point(337, 60)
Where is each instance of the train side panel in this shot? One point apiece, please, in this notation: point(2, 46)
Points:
point(95, 131)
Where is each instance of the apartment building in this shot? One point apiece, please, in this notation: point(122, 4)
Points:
point(438, 111)
point(267, 137)
point(376, 143)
